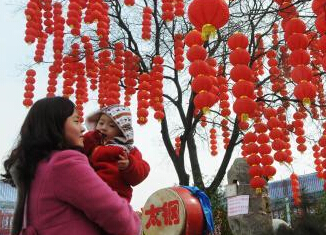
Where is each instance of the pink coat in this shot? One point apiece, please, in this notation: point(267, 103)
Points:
point(67, 197)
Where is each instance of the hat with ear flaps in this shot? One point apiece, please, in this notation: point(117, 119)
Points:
point(121, 116)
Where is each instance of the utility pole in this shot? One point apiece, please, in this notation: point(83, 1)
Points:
point(287, 208)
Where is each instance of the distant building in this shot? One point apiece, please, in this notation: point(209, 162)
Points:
point(280, 194)
point(7, 203)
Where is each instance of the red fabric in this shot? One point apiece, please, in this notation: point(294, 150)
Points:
point(67, 197)
point(91, 140)
point(105, 162)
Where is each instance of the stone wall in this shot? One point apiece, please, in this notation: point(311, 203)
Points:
point(259, 219)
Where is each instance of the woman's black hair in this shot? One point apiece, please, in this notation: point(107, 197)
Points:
point(41, 133)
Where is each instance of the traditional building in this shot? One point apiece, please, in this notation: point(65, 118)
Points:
point(281, 199)
point(7, 203)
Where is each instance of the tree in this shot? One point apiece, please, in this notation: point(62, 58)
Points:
point(320, 210)
point(219, 208)
point(270, 101)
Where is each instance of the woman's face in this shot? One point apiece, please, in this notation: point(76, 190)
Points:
point(73, 130)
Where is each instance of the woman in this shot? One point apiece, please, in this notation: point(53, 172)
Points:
point(62, 193)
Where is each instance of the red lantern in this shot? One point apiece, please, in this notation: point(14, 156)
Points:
point(299, 57)
point(272, 62)
point(178, 51)
point(297, 41)
point(179, 8)
point(269, 113)
point(177, 145)
point(244, 107)
point(264, 149)
point(196, 52)
point(130, 74)
point(238, 40)
point(255, 170)
point(305, 92)
point(269, 171)
point(253, 159)
point(81, 89)
point(193, 38)
point(320, 23)
point(301, 139)
point(322, 141)
point(74, 17)
point(198, 67)
point(213, 142)
point(301, 72)
point(239, 56)
point(260, 127)
point(243, 88)
point(324, 62)
point(142, 116)
point(204, 100)
point(208, 16)
point(322, 43)
point(278, 145)
point(295, 188)
point(156, 92)
point(257, 183)
point(275, 133)
point(129, 2)
point(318, 6)
point(34, 22)
point(142, 97)
point(200, 83)
point(287, 10)
point(267, 160)
point(48, 16)
point(295, 25)
point(251, 148)
point(301, 148)
point(159, 115)
point(280, 156)
point(249, 137)
point(167, 10)
point(241, 71)
point(29, 88)
point(263, 138)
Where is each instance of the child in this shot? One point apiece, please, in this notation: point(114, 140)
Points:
point(109, 145)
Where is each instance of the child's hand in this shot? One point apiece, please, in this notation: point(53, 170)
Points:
point(139, 213)
point(103, 138)
point(123, 161)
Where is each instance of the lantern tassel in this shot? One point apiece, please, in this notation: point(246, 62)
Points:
point(244, 117)
point(306, 101)
point(258, 190)
point(205, 110)
point(208, 31)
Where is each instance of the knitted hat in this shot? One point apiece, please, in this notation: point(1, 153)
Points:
point(121, 116)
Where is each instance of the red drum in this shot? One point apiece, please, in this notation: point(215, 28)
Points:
point(172, 211)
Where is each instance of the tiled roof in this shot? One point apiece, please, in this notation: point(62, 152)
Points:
point(7, 193)
point(308, 183)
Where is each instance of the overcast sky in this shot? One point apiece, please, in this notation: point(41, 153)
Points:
point(16, 55)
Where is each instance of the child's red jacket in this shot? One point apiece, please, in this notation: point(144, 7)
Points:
point(104, 160)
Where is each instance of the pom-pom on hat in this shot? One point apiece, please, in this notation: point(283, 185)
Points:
point(121, 116)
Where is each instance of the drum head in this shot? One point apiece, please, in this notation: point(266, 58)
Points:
point(164, 214)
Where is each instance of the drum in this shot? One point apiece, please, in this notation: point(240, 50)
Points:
point(172, 211)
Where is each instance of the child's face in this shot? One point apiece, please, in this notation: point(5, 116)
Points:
point(107, 127)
